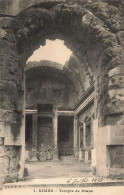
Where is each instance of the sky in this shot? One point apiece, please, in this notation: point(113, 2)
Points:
point(53, 50)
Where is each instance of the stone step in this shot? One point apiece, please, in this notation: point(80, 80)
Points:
point(67, 159)
point(60, 182)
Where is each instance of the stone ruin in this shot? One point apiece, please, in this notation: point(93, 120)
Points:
point(94, 75)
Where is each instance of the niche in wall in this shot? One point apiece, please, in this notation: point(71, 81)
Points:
point(28, 129)
point(116, 156)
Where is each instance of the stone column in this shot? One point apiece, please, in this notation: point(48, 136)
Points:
point(22, 129)
point(81, 150)
point(34, 131)
point(93, 151)
point(76, 152)
point(55, 128)
point(84, 140)
point(79, 140)
point(34, 138)
point(55, 125)
point(75, 132)
point(84, 134)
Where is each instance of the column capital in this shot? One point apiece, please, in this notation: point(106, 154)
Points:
point(76, 117)
point(55, 115)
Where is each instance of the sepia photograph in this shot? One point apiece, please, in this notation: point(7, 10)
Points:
point(62, 97)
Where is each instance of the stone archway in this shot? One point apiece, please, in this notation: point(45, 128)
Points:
point(93, 40)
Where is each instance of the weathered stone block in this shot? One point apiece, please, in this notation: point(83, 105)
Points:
point(13, 167)
point(5, 22)
point(10, 37)
point(1, 141)
point(116, 94)
point(116, 135)
point(42, 156)
point(2, 33)
point(2, 151)
point(116, 107)
point(115, 62)
point(116, 81)
point(2, 130)
point(4, 164)
point(7, 48)
point(120, 36)
point(9, 162)
point(112, 52)
point(10, 179)
point(90, 19)
point(116, 102)
point(122, 44)
point(116, 71)
point(11, 151)
point(115, 119)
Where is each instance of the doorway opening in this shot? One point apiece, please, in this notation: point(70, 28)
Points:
point(45, 136)
point(65, 135)
point(28, 130)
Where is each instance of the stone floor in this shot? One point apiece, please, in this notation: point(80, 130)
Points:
point(58, 175)
point(39, 170)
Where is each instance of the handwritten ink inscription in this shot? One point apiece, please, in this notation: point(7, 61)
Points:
point(84, 180)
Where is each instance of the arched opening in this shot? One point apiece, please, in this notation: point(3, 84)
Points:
point(97, 59)
point(51, 96)
point(54, 51)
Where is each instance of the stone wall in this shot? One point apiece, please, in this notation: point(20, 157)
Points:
point(80, 74)
point(9, 163)
point(93, 30)
point(13, 7)
point(101, 51)
point(47, 87)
